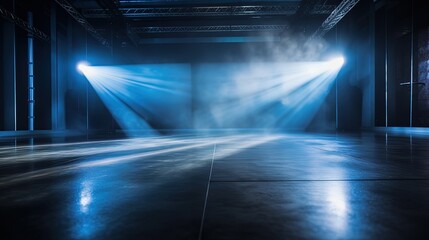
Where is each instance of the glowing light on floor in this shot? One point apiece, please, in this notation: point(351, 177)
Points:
point(13, 155)
point(338, 206)
point(234, 143)
point(85, 196)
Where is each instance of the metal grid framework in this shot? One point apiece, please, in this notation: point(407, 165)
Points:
point(23, 24)
point(111, 7)
point(112, 11)
point(289, 9)
point(130, 3)
point(343, 8)
point(131, 13)
point(305, 7)
point(217, 28)
point(82, 21)
point(321, 9)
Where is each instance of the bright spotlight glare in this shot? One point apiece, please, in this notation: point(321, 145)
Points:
point(337, 62)
point(81, 66)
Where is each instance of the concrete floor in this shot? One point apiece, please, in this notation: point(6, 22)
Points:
point(216, 186)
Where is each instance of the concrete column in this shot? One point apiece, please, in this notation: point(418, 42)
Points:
point(57, 83)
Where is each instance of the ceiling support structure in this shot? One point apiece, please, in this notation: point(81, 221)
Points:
point(82, 21)
point(111, 9)
point(212, 28)
point(322, 9)
point(343, 8)
point(214, 11)
point(23, 24)
point(305, 7)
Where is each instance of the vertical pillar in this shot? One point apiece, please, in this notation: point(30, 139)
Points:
point(87, 85)
point(386, 69)
point(30, 77)
point(337, 119)
point(57, 84)
point(368, 111)
point(193, 98)
point(412, 65)
point(54, 69)
point(9, 76)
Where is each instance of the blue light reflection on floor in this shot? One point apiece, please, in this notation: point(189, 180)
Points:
point(313, 185)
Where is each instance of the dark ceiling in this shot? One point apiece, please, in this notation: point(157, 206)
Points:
point(147, 21)
point(141, 22)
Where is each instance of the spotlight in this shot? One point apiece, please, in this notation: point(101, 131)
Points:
point(81, 66)
point(337, 62)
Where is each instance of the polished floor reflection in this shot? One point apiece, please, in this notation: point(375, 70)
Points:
point(216, 186)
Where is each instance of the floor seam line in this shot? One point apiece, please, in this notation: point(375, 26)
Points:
point(200, 235)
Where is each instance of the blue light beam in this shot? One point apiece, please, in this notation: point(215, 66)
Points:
point(81, 66)
point(141, 95)
point(265, 95)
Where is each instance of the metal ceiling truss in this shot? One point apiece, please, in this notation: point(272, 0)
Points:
point(289, 9)
point(170, 3)
point(23, 24)
point(343, 8)
point(135, 39)
point(305, 7)
point(111, 7)
point(321, 9)
point(216, 28)
point(82, 21)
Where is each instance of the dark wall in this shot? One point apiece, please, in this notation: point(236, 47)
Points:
point(43, 85)
point(380, 64)
point(2, 80)
point(422, 65)
point(41, 68)
point(21, 80)
point(400, 37)
point(353, 36)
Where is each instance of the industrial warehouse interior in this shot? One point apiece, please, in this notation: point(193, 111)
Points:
point(214, 119)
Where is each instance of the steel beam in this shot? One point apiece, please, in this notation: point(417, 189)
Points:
point(23, 24)
point(82, 21)
point(322, 9)
point(187, 40)
point(111, 10)
point(305, 7)
point(214, 28)
point(213, 11)
point(200, 2)
point(343, 8)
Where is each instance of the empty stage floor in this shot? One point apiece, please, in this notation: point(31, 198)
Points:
point(223, 186)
